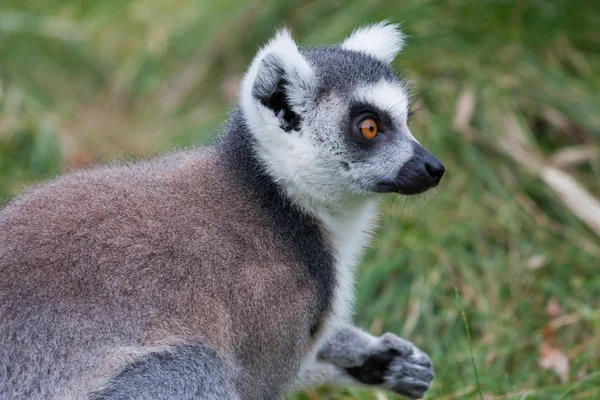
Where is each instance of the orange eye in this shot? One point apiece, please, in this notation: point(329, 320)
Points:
point(368, 128)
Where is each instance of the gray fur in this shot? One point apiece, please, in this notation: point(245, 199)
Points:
point(222, 272)
point(341, 71)
point(186, 373)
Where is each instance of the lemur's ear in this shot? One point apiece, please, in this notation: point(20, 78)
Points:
point(278, 78)
point(382, 41)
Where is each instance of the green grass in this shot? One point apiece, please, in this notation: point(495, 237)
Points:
point(86, 81)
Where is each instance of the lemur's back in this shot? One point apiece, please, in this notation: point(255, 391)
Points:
point(102, 268)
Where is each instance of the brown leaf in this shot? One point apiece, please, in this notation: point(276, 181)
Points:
point(553, 309)
point(536, 262)
point(554, 359)
point(490, 358)
point(548, 333)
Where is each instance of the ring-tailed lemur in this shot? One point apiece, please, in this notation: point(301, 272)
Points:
point(223, 272)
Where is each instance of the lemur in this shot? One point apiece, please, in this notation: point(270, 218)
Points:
point(222, 272)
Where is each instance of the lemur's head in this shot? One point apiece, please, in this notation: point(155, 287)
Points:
point(331, 121)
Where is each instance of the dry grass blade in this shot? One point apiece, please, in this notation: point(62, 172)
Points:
point(575, 155)
point(574, 196)
point(465, 107)
point(459, 394)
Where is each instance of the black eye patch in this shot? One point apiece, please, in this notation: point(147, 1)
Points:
point(358, 113)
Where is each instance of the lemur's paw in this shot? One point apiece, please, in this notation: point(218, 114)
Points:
point(397, 365)
point(410, 376)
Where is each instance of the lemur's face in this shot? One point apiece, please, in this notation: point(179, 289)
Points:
point(333, 121)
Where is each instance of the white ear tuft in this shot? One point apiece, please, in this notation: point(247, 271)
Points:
point(382, 41)
point(279, 59)
point(284, 46)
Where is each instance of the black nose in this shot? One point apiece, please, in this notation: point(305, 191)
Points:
point(418, 174)
point(435, 168)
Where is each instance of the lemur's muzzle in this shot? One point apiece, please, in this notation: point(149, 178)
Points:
point(420, 173)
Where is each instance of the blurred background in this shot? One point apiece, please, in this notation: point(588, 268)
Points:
point(507, 249)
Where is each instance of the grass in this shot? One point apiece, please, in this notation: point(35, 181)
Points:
point(509, 93)
point(469, 340)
